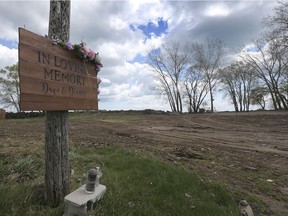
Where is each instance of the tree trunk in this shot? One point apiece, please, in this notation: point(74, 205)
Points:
point(211, 97)
point(234, 99)
point(56, 157)
point(57, 172)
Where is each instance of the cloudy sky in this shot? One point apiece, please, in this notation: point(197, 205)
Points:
point(123, 31)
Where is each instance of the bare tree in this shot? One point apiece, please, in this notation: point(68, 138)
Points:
point(169, 64)
point(9, 87)
point(270, 63)
point(277, 30)
point(196, 89)
point(278, 23)
point(258, 95)
point(229, 86)
point(207, 58)
point(284, 85)
point(237, 80)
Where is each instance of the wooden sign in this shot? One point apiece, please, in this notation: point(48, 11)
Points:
point(53, 78)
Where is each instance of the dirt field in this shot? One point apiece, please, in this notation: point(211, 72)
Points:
point(246, 151)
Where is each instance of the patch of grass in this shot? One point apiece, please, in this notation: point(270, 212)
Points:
point(25, 199)
point(259, 179)
point(137, 184)
point(20, 169)
point(111, 118)
point(140, 185)
point(81, 115)
point(117, 120)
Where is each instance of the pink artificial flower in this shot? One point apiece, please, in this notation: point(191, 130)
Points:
point(84, 51)
point(91, 54)
point(98, 91)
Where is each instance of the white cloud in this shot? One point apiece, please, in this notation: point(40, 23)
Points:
point(118, 24)
point(217, 10)
point(8, 56)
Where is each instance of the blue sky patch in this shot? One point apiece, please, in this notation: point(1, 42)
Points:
point(143, 59)
point(151, 28)
point(252, 49)
point(138, 58)
point(8, 43)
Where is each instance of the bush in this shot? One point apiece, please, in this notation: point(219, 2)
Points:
point(22, 115)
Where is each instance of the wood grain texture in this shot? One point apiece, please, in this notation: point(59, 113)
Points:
point(57, 172)
point(57, 169)
point(53, 78)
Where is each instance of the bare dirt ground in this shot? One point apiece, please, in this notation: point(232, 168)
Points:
point(248, 152)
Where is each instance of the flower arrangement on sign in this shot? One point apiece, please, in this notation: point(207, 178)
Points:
point(87, 55)
point(98, 83)
point(82, 52)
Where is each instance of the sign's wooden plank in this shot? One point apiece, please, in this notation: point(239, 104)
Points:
point(49, 103)
point(53, 82)
point(58, 58)
point(39, 87)
point(57, 75)
point(53, 78)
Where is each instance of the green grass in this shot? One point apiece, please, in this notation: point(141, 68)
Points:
point(144, 186)
point(137, 184)
point(112, 118)
point(21, 187)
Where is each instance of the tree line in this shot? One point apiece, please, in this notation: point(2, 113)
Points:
point(188, 74)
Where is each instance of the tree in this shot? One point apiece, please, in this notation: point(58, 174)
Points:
point(207, 58)
point(196, 89)
point(277, 26)
point(57, 172)
point(278, 23)
point(9, 87)
point(270, 63)
point(169, 65)
point(258, 95)
point(237, 80)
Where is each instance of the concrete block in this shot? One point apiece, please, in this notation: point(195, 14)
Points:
point(246, 209)
point(79, 202)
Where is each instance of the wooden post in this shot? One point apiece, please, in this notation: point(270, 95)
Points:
point(57, 171)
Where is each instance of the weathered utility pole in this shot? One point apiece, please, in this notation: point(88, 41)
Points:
point(57, 172)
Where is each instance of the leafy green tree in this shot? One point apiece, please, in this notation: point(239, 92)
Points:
point(9, 87)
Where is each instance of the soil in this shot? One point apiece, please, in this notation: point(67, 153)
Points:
point(248, 151)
